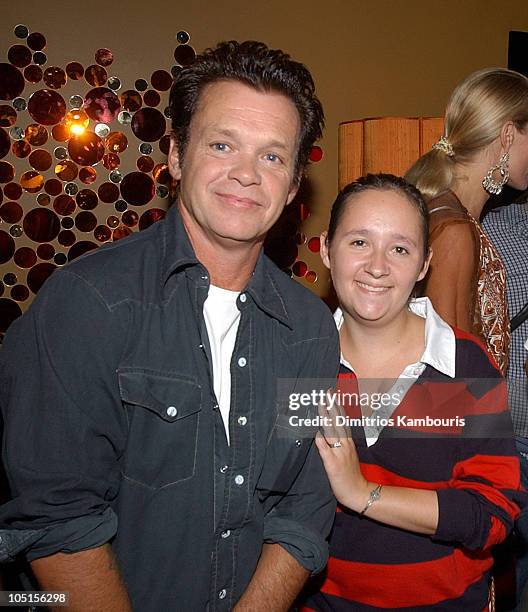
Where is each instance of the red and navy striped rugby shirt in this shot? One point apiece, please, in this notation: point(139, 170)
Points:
point(475, 471)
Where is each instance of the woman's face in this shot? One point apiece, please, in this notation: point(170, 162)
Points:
point(376, 255)
point(518, 165)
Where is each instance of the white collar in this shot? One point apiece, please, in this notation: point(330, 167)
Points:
point(440, 342)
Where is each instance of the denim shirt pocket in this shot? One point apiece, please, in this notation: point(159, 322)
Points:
point(163, 412)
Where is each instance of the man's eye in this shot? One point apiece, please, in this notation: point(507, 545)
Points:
point(358, 243)
point(220, 146)
point(272, 157)
point(401, 250)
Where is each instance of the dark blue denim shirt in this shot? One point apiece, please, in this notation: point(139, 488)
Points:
point(113, 432)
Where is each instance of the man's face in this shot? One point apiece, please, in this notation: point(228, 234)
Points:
point(238, 172)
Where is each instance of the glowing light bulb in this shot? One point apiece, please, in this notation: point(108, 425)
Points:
point(76, 122)
point(77, 129)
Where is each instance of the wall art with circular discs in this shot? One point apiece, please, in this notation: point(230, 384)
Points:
point(83, 162)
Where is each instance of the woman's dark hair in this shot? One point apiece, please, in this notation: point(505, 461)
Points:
point(380, 182)
point(254, 64)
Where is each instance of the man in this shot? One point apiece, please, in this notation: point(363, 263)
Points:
point(507, 227)
point(140, 390)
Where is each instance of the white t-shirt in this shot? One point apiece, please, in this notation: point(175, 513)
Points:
point(221, 319)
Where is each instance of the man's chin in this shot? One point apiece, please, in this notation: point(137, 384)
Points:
point(240, 237)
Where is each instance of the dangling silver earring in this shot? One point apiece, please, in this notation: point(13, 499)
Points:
point(495, 186)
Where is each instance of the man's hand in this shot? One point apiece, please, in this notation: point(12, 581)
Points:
point(276, 582)
point(91, 578)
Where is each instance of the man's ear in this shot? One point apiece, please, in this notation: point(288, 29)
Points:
point(291, 195)
point(323, 249)
point(173, 160)
point(294, 188)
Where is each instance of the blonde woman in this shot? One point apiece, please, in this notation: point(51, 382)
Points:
point(484, 147)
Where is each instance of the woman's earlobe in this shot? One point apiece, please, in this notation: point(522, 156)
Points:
point(323, 249)
point(426, 264)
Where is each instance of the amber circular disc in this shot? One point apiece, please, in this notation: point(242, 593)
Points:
point(36, 41)
point(55, 77)
point(38, 275)
point(80, 248)
point(104, 57)
point(31, 181)
point(137, 188)
point(47, 107)
point(11, 82)
point(9, 311)
point(19, 56)
point(148, 124)
point(95, 75)
point(7, 247)
point(75, 71)
point(41, 225)
point(151, 216)
point(36, 134)
point(33, 73)
point(86, 149)
point(102, 105)
point(8, 115)
point(108, 192)
point(25, 257)
point(64, 205)
point(161, 80)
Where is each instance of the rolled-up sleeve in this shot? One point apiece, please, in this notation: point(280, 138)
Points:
point(302, 519)
point(63, 424)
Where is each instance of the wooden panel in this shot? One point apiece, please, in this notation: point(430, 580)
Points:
point(391, 144)
point(350, 152)
point(384, 144)
point(432, 129)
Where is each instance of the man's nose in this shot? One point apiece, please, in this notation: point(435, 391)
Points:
point(245, 170)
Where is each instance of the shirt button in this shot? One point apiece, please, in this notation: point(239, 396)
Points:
point(242, 420)
point(298, 442)
point(243, 297)
point(239, 479)
point(242, 362)
point(205, 277)
point(222, 594)
point(172, 411)
point(224, 469)
point(225, 534)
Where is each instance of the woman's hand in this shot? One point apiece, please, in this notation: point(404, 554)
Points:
point(341, 462)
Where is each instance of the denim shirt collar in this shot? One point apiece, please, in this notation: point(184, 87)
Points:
point(177, 254)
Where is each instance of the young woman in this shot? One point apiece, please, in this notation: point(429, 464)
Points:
point(484, 147)
point(421, 501)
